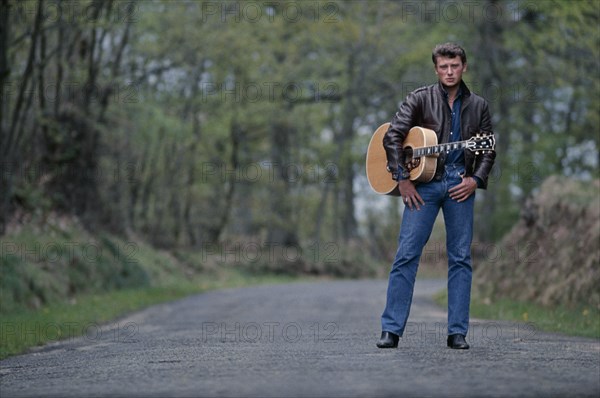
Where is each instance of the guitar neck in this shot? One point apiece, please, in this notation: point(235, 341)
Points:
point(434, 149)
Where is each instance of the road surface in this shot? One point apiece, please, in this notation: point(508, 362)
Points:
point(313, 339)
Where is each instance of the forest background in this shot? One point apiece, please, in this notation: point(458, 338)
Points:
point(235, 132)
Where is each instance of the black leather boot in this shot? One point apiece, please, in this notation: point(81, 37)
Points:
point(458, 342)
point(388, 340)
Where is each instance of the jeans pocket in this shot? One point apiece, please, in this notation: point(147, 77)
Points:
point(454, 175)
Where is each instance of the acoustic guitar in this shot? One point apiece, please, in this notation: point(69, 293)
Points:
point(421, 151)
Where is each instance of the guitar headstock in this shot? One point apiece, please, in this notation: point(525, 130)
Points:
point(482, 142)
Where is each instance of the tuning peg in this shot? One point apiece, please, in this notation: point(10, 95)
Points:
point(476, 152)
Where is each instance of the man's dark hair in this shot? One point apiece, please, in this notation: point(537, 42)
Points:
point(449, 50)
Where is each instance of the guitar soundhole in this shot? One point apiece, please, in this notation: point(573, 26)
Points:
point(409, 162)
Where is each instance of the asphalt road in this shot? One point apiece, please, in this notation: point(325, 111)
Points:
point(295, 340)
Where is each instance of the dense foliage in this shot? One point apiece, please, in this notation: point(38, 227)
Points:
point(196, 123)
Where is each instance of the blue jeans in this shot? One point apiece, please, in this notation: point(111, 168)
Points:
point(414, 234)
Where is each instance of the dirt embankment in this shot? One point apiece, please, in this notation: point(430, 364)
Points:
point(552, 255)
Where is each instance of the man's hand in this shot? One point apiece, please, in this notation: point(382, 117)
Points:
point(463, 190)
point(410, 195)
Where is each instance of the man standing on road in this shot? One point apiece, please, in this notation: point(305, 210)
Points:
point(455, 114)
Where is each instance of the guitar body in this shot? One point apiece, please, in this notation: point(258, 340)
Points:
point(421, 169)
point(376, 164)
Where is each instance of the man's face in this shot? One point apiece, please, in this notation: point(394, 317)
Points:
point(450, 70)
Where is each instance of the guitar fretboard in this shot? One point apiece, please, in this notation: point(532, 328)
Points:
point(432, 150)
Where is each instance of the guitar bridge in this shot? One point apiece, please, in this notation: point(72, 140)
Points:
point(412, 164)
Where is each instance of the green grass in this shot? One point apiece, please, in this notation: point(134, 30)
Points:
point(21, 330)
point(581, 321)
point(59, 281)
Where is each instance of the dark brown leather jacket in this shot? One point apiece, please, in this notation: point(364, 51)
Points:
point(427, 107)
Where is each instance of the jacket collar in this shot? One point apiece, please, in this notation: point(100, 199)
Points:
point(465, 92)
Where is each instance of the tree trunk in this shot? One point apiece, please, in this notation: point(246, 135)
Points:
point(6, 177)
point(235, 134)
point(490, 50)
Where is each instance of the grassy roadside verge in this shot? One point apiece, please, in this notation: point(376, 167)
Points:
point(581, 321)
point(24, 329)
point(59, 280)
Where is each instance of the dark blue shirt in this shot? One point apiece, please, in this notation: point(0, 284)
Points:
point(456, 156)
